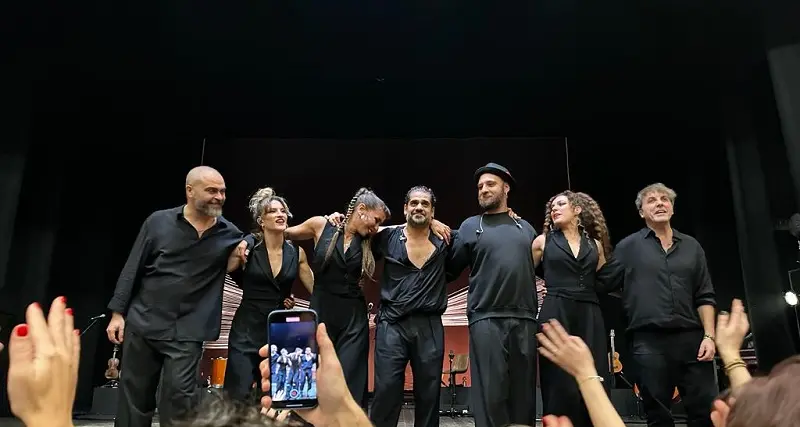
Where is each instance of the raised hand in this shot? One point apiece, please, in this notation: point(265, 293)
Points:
point(332, 393)
point(43, 366)
point(556, 421)
point(731, 329)
point(569, 352)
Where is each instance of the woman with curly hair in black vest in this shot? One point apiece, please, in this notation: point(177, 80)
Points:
point(572, 247)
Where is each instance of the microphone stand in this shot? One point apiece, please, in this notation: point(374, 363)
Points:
point(92, 323)
point(452, 386)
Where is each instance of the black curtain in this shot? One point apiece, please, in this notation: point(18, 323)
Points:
point(784, 66)
point(762, 192)
point(78, 210)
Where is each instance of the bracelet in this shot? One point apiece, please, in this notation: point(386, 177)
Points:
point(736, 363)
point(711, 337)
point(593, 377)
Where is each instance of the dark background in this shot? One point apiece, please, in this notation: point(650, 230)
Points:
point(293, 335)
point(110, 102)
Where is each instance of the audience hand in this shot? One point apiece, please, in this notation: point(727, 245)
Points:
point(440, 230)
point(288, 303)
point(333, 396)
point(570, 353)
point(719, 413)
point(43, 366)
point(554, 421)
point(731, 329)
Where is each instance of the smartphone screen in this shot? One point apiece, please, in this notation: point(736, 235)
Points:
point(292, 337)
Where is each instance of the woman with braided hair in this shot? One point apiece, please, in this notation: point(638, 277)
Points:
point(572, 247)
point(343, 259)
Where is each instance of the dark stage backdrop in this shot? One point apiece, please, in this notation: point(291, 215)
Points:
point(320, 176)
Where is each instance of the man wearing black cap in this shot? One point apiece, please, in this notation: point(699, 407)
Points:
point(502, 304)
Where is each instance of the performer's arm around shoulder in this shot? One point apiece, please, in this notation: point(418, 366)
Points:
point(310, 229)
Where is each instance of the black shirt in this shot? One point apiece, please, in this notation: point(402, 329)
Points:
point(661, 289)
point(497, 249)
point(171, 285)
point(342, 274)
point(406, 289)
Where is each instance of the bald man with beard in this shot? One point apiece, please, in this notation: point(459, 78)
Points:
point(168, 300)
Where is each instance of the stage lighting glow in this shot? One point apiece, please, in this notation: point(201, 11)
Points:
point(791, 298)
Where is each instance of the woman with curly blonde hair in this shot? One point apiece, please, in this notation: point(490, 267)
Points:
point(572, 247)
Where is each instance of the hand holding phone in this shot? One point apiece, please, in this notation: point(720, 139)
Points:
point(293, 358)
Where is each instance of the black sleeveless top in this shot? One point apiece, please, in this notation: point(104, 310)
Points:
point(261, 294)
point(342, 274)
point(568, 276)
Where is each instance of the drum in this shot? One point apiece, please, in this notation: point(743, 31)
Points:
point(218, 366)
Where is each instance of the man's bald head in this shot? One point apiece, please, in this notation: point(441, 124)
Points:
point(205, 191)
point(200, 172)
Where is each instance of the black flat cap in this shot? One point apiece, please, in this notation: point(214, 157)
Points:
point(495, 169)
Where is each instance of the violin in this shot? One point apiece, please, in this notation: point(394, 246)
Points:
point(112, 373)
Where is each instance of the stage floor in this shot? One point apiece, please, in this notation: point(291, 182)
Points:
point(406, 420)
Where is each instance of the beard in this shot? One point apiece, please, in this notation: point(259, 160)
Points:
point(490, 203)
point(415, 221)
point(209, 209)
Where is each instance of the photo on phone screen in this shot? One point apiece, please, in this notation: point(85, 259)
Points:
point(293, 356)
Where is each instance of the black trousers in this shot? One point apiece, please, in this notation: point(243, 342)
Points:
point(348, 326)
point(241, 371)
point(142, 363)
point(666, 360)
point(418, 339)
point(560, 393)
point(502, 354)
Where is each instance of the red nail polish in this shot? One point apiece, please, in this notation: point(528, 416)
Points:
point(63, 299)
point(69, 311)
point(22, 331)
point(36, 304)
point(77, 332)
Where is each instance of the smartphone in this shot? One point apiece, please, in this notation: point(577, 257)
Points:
point(292, 338)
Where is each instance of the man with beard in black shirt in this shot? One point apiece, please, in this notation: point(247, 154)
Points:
point(168, 300)
point(409, 322)
point(501, 306)
point(669, 301)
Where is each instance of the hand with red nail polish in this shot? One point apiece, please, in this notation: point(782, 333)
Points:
point(43, 366)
